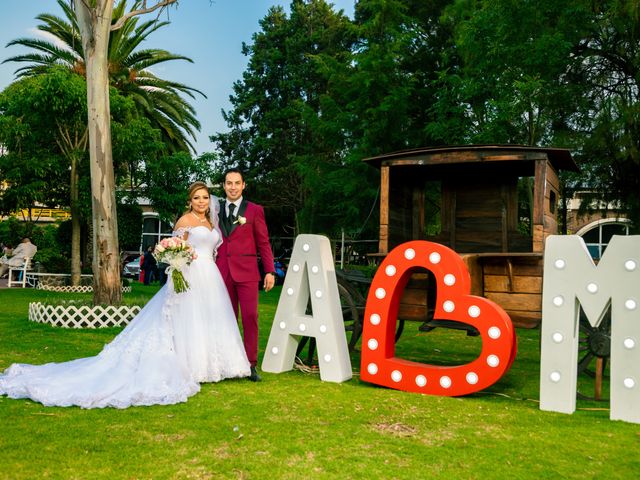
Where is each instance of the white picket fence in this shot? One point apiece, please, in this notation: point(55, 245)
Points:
point(73, 288)
point(83, 316)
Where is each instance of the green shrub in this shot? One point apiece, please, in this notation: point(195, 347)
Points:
point(52, 260)
point(12, 231)
point(53, 254)
point(63, 237)
point(129, 226)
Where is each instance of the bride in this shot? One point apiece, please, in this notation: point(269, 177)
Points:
point(176, 341)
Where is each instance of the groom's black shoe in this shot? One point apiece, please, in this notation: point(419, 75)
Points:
point(254, 377)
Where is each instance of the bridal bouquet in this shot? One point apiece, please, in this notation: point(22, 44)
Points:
point(178, 254)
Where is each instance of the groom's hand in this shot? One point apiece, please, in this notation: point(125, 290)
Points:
point(269, 281)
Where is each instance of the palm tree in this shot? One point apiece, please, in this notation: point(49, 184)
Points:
point(160, 101)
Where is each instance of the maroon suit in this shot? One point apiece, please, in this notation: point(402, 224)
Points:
point(237, 261)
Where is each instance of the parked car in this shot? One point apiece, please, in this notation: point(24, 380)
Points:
point(131, 268)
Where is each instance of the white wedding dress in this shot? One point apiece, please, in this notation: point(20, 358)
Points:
point(176, 341)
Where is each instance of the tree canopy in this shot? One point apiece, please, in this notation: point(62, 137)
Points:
point(322, 92)
point(38, 117)
point(161, 101)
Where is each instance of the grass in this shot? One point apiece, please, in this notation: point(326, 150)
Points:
point(292, 425)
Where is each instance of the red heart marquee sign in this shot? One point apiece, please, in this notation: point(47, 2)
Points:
point(454, 302)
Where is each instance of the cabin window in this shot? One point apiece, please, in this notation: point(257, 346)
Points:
point(525, 207)
point(552, 202)
point(432, 198)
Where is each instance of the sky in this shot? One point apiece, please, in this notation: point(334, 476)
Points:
point(209, 32)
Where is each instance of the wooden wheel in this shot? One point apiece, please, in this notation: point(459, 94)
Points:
point(594, 350)
point(352, 304)
point(350, 314)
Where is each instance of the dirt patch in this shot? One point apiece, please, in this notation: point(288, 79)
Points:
point(174, 437)
point(397, 429)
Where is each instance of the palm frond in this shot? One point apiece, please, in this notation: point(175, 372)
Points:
point(152, 81)
point(161, 101)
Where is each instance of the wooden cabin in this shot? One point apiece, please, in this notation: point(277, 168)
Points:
point(477, 216)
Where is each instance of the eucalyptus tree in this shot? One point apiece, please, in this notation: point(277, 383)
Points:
point(159, 100)
point(94, 21)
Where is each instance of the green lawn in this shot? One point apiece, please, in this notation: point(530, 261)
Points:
point(294, 426)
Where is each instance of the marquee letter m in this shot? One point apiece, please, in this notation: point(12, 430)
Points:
point(571, 280)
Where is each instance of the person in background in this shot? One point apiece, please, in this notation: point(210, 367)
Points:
point(7, 251)
point(162, 273)
point(150, 266)
point(24, 250)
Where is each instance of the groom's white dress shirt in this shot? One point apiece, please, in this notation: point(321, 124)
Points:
point(236, 203)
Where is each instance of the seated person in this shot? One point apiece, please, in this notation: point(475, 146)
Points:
point(25, 249)
point(7, 251)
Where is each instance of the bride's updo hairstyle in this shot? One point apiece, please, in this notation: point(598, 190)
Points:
point(193, 188)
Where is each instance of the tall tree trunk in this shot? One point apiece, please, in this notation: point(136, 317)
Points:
point(94, 23)
point(74, 145)
point(75, 222)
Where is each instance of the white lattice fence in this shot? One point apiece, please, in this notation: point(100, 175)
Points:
point(84, 316)
point(74, 289)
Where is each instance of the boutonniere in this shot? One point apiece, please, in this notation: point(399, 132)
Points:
point(240, 220)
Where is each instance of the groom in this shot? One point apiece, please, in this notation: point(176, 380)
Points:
point(245, 235)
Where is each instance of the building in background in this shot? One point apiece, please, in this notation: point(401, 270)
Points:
point(597, 226)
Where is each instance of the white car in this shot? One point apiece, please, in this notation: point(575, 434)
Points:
point(132, 268)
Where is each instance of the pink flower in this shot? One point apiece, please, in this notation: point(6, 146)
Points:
point(177, 253)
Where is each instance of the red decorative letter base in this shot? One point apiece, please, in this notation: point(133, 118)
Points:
point(453, 302)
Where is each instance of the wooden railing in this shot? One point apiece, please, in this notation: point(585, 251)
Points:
point(42, 213)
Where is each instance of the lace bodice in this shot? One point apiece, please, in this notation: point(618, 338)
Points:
point(204, 241)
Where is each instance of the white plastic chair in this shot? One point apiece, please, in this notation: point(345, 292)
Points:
point(21, 272)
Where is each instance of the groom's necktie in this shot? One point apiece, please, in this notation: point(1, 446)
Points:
point(232, 207)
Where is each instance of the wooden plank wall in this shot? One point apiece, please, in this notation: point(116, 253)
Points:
point(418, 213)
point(545, 211)
point(516, 285)
point(383, 243)
point(513, 283)
point(551, 197)
point(479, 216)
point(401, 215)
point(478, 219)
point(413, 304)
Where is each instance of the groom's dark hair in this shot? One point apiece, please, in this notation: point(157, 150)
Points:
point(233, 170)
